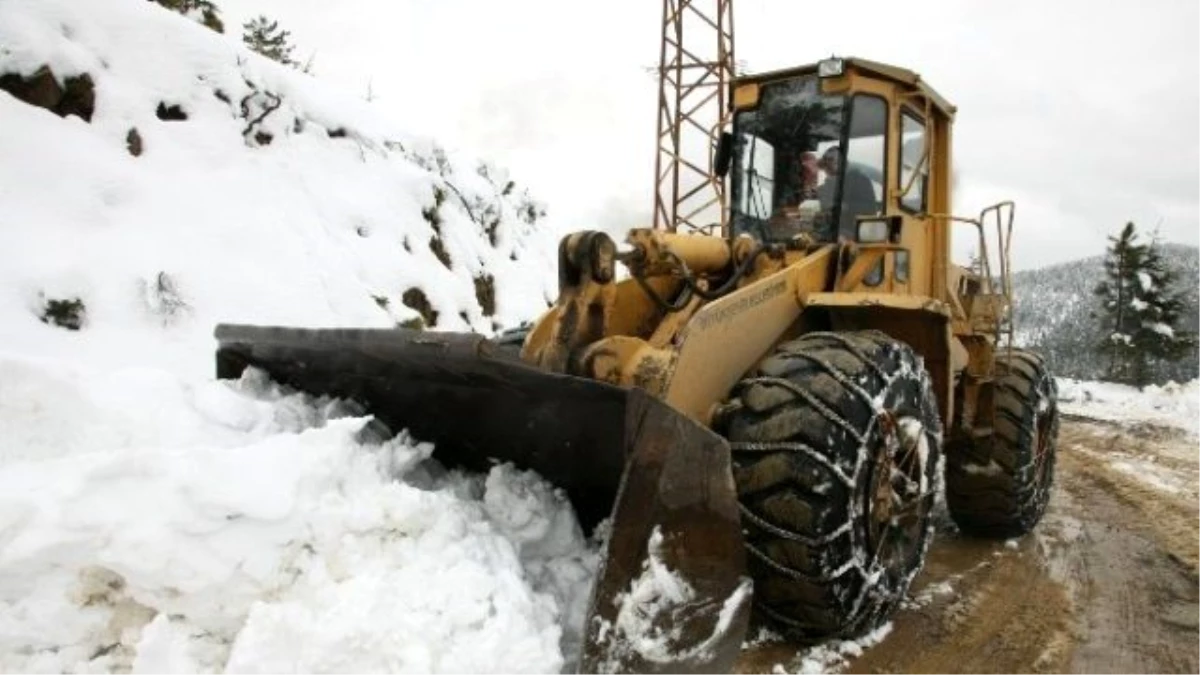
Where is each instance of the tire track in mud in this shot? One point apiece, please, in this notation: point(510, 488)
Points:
point(1105, 583)
point(1133, 568)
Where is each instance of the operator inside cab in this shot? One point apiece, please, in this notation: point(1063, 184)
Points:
point(808, 207)
point(790, 177)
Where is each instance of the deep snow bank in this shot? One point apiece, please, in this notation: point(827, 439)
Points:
point(1174, 405)
point(249, 529)
point(154, 519)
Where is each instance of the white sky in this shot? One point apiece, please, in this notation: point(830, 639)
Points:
point(1087, 113)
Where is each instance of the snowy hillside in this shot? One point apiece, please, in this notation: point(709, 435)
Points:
point(197, 182)
point(1054, 308)
point(155, 179)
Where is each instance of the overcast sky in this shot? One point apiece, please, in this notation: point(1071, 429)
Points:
point(1087, 113)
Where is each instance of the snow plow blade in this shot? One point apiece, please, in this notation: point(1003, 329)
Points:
point(672, 593)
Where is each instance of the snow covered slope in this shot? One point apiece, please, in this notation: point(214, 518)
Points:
point(272, 202)
point(155, 520)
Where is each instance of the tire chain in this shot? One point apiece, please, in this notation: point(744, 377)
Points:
point(855, 563)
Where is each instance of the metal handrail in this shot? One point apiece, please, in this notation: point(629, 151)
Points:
point(1004, 228)
point(1004, 242)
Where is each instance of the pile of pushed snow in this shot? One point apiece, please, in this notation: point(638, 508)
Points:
point(210, 184)
point(1174, 405)
point(164, 527)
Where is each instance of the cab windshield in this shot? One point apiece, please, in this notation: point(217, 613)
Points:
point(806, 163)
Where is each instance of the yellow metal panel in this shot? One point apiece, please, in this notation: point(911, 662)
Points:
point(886, 300)
point(728, 336)
point(867, 259)
point(746, 96)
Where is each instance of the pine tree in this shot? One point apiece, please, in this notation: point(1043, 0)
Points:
point(1166, 303)
point(267, 38)
point(1141, 309)
point(1124, 258)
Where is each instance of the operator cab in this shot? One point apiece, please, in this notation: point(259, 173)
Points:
point(809, 154)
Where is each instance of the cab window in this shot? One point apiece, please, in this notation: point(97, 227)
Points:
point(912, 151)
point(757, 165)
point(866, 148)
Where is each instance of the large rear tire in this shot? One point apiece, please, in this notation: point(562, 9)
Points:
point(836, 444)
point(1000, 486)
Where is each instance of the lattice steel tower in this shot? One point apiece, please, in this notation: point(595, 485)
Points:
point(692, 111)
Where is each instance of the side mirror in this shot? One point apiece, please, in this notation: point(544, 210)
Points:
point(724, 154)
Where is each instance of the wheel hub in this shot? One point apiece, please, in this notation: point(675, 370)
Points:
point(897, 489)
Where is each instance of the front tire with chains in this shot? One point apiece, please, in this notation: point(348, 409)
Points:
point(836, 442)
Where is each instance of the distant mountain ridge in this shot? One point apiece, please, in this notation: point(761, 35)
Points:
point(1057, 313)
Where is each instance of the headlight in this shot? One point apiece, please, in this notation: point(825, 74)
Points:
point(831, 67)
point(872, 231)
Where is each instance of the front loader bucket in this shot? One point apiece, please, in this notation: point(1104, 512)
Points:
point(671, 594)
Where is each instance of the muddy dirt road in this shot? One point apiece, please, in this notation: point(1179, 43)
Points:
point(1107, 583)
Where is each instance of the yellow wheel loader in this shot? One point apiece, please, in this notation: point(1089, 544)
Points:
point(765, 419)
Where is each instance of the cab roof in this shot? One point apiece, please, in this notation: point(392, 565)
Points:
point(874, 68)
